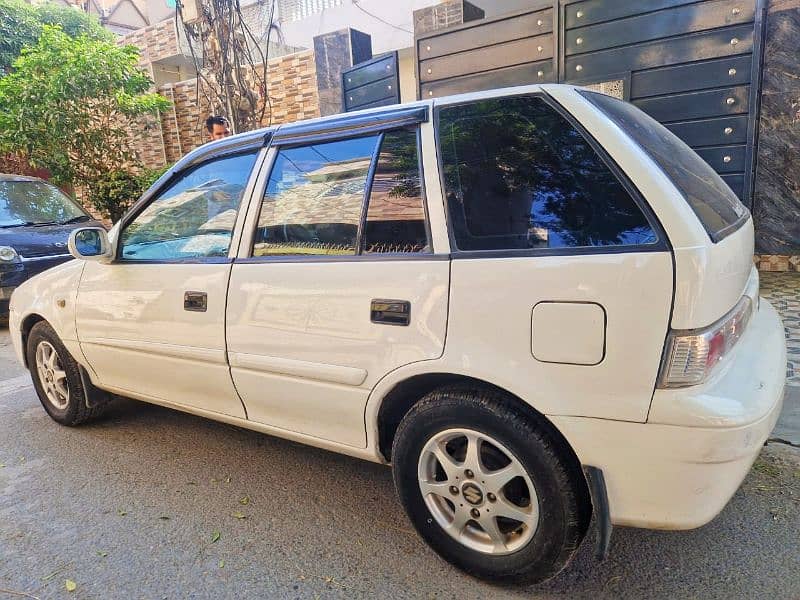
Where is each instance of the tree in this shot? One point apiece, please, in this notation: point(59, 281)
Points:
point(230, 58)
point(21, 25)
point(75, 106)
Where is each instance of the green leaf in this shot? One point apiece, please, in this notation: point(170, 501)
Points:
point(102, 553)
point(238, 515)
point(215, 537)
point(70, 585)
point(121, 512)
point(244, 501)
point(222, 564)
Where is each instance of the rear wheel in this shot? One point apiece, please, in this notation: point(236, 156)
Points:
point(57, 379)
point(489, 488)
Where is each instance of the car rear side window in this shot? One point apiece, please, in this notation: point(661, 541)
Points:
point(716, 206)
point(519, 176)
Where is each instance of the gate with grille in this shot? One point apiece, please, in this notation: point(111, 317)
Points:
point(693, 65)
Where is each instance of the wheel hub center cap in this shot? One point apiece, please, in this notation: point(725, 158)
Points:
point(472, 494)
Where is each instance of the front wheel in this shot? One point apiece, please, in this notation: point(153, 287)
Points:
point(490, 489)
point(57, 379)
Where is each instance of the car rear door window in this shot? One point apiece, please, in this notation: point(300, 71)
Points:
point(333, 198)
point(314, 199)
point(519, 176)
point(716, 206)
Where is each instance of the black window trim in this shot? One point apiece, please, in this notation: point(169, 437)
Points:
point(165, 181)
point(661, 244)
point(358, 255)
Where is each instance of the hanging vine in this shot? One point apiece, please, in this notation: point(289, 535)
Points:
point(230, 59)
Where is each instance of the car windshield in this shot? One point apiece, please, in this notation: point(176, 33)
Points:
point(36, 203)
point(714, 203)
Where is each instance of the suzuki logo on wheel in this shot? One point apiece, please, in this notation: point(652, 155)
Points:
point(472, 493)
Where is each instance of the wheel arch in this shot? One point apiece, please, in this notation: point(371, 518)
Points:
point(25, 329)
point(404, 394)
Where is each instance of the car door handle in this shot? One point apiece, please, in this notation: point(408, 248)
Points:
point(195, 301)
point(390, 312)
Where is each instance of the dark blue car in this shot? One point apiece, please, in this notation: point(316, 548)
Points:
point(36, 219)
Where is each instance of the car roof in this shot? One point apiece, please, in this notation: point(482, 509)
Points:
point(14, 177)
point(338, 122)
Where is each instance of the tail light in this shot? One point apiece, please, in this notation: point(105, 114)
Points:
point(690, 356)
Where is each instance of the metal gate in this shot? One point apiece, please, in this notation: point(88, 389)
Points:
point(693, 65)
point(375, 82)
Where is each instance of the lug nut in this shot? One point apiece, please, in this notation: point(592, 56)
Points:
point(454, 490)
point(491, 497)
point(469, 474)
point(475, 513)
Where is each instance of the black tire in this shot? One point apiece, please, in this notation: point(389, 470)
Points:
point(563, 499)
point(85, 402)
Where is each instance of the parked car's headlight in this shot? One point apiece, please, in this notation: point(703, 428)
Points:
point(691, 356)
point(8, 254)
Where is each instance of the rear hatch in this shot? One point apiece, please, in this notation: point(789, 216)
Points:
point(714, 271)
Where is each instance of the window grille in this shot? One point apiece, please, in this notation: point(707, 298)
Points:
point(297, 10)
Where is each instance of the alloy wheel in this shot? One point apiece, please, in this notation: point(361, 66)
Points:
point(478, 491)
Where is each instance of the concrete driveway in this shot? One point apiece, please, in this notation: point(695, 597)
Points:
point(151, 503)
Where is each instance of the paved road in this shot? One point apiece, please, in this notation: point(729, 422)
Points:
point(128, 507)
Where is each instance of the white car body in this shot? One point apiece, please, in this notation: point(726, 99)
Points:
point(287, 348)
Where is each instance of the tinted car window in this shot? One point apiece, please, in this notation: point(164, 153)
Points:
point(36, 202)
point(396, 213)
point(194, 217)
point(314, 199)
point(519, 176)
point(714, 203)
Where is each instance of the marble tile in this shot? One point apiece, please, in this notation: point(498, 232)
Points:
point(776, 200)
point(333, 53)
point(781, 43)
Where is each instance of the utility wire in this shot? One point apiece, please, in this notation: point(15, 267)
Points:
point(374, 16)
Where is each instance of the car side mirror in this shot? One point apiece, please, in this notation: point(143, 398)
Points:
point(90, 243)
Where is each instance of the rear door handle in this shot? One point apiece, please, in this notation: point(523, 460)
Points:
point(195, 301)
point(390, 312)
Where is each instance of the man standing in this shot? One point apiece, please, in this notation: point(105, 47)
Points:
point(217, 127)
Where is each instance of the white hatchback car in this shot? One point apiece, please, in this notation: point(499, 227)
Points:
point(536, 303)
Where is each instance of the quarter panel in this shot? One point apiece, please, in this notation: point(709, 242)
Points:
point(489, 328)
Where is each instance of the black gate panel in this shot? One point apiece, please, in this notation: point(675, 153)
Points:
point(489, 53)
point(372, 83)
point(693, 65)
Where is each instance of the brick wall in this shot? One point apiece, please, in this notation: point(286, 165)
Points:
point(156, 42)
point(292, 87)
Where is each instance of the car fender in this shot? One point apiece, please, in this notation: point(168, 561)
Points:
point(51, 296)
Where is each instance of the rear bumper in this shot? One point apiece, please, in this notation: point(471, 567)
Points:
point(680, 469)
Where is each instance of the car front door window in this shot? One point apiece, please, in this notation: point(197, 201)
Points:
point(194, 216)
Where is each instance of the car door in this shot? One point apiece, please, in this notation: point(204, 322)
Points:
point(152, 323)
point(337, 282)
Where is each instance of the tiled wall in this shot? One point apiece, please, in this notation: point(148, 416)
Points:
point(292, 88)
point(156, 42)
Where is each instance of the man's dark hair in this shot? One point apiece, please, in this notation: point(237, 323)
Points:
point(215, 120)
